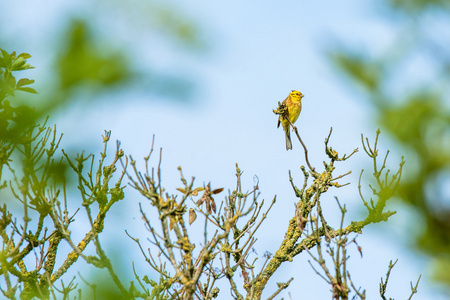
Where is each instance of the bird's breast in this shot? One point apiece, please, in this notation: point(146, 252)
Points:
point(294, 111)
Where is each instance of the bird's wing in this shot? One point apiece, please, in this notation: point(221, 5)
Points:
point(285, 104)
point(279, 118)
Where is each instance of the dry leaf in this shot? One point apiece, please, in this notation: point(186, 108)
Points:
point(202, 199)
point(213, 204)
point(192, 216)
point(206, 197)
point(208, 205)
point(216, 191)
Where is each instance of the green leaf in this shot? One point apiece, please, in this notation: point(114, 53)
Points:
point(2, 62)
point(26, 67)
point(24, 55)
point(10, 80)
point(6, 59)
point(17, 64)
point(27, 89)
point(24, 81)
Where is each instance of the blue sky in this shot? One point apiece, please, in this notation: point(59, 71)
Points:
point(256, 53)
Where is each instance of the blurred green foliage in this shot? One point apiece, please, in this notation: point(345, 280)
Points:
point(14, 120)
point(84, 66)
point(418, 6)
point(82, 62)
point(418, 117)
point(91, 62)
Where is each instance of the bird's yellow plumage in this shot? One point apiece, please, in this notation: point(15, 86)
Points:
point(293, 104)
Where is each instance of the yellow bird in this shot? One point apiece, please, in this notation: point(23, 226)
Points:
point(293, 104)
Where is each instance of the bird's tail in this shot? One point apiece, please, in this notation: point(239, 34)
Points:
point(288, 139)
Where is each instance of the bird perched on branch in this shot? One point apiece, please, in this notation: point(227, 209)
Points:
point(293, 105)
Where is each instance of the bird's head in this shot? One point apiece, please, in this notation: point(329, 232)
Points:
point(296, 95)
